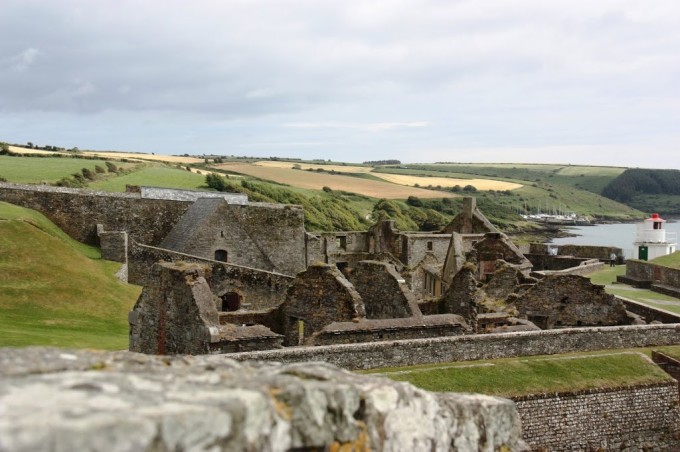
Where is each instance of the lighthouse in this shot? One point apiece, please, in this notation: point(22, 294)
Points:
point(651, 240)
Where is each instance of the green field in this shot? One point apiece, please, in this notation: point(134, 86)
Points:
point(35, 170)
point(56, 291)
point(154, 176)
point(520, 376)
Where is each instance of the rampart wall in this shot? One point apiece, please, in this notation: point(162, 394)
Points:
point(643, 270)
point(78, 212)
point(260, 289)
point(644, 417)
point(474, 347)
point(649, 313)
point(585, 251)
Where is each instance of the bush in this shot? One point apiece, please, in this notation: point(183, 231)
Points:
point(327, 189)
point(99, 169)
point(88, 174)
point(2, 179)
point(111, 167)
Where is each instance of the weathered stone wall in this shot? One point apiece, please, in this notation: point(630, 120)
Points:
point(190, 195)
point(474, 347)
point(79, 400)
point(114, 245)
point(318, 297)
point(269, 237)
point(548, 262)
point(644, 270)
point(585, 251)
point(649, 313)
point(629, 418)
point(393, 329)
point(176, 314)
point(260, 289)
point(582, 270)
point(419, 245)
point(78, 212)
point(383, 291)
point(569, 300)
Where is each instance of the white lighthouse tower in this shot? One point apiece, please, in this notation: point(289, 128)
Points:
point(651, 239)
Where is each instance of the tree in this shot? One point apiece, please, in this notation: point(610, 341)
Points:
point(414, 201)
point(470, 189)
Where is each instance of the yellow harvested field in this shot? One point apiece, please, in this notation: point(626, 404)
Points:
point(114, 155)
point(316, 181)
point(479, 184)
point(155, 158)
point(304, 166)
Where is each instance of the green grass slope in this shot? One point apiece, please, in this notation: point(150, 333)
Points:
point(521, 376)
point(154, 176)
point(55, 291)
point(34, 170)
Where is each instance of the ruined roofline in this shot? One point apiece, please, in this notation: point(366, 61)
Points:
point(211, 261)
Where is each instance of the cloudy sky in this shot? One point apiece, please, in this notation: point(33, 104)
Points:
point(575, 81)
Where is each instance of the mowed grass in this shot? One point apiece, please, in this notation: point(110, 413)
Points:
point(55, 291)
point(521, 376)
point(479, 184)
point(317, 180)
point(669, 260)
point(607, 277)
point(155, 176)
point(34, 170)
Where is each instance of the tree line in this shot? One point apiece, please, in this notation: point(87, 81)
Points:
point(637, 181)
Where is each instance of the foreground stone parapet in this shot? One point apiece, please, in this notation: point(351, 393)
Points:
point(53, 399)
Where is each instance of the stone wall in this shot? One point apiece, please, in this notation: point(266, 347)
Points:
point(549, 262)
point(417, 246)
point(114, 245)
point(260, 289)
point(177, 314)
point(318, 297)
point(584, 251)
point(190, 195)
point(78, 212)
point(569, 300)
point(649, 313)
point(475, 347)
point(383, 291)
point(269, 237)
point(393, 329)
point(630, 418)
point(80, 400)
point(643, 270)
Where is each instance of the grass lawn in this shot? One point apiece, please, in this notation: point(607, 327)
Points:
point(607, 277)
point(519, 376)
point(34, 170)
point(155, 176)
point(669, 260)
point(56, 291)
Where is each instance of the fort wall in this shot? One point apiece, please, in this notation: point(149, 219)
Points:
point(467, 348)
point(78, 212)
point(643, 270)
point(644, 417)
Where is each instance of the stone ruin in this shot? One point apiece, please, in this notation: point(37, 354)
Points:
point(482, 283)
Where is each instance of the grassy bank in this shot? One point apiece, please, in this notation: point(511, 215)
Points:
point(56, 291)
point(521, 376)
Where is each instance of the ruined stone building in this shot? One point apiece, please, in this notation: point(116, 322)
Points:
point(258, 280)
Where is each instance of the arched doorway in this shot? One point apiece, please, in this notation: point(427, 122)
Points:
point(231, 301)
point(221, 255)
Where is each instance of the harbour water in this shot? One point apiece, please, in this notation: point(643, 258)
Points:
point(619, 235)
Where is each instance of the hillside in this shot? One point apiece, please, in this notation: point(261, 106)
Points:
point(56, 291)
point(649, 190)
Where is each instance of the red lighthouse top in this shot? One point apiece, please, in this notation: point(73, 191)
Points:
point(655, 216)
